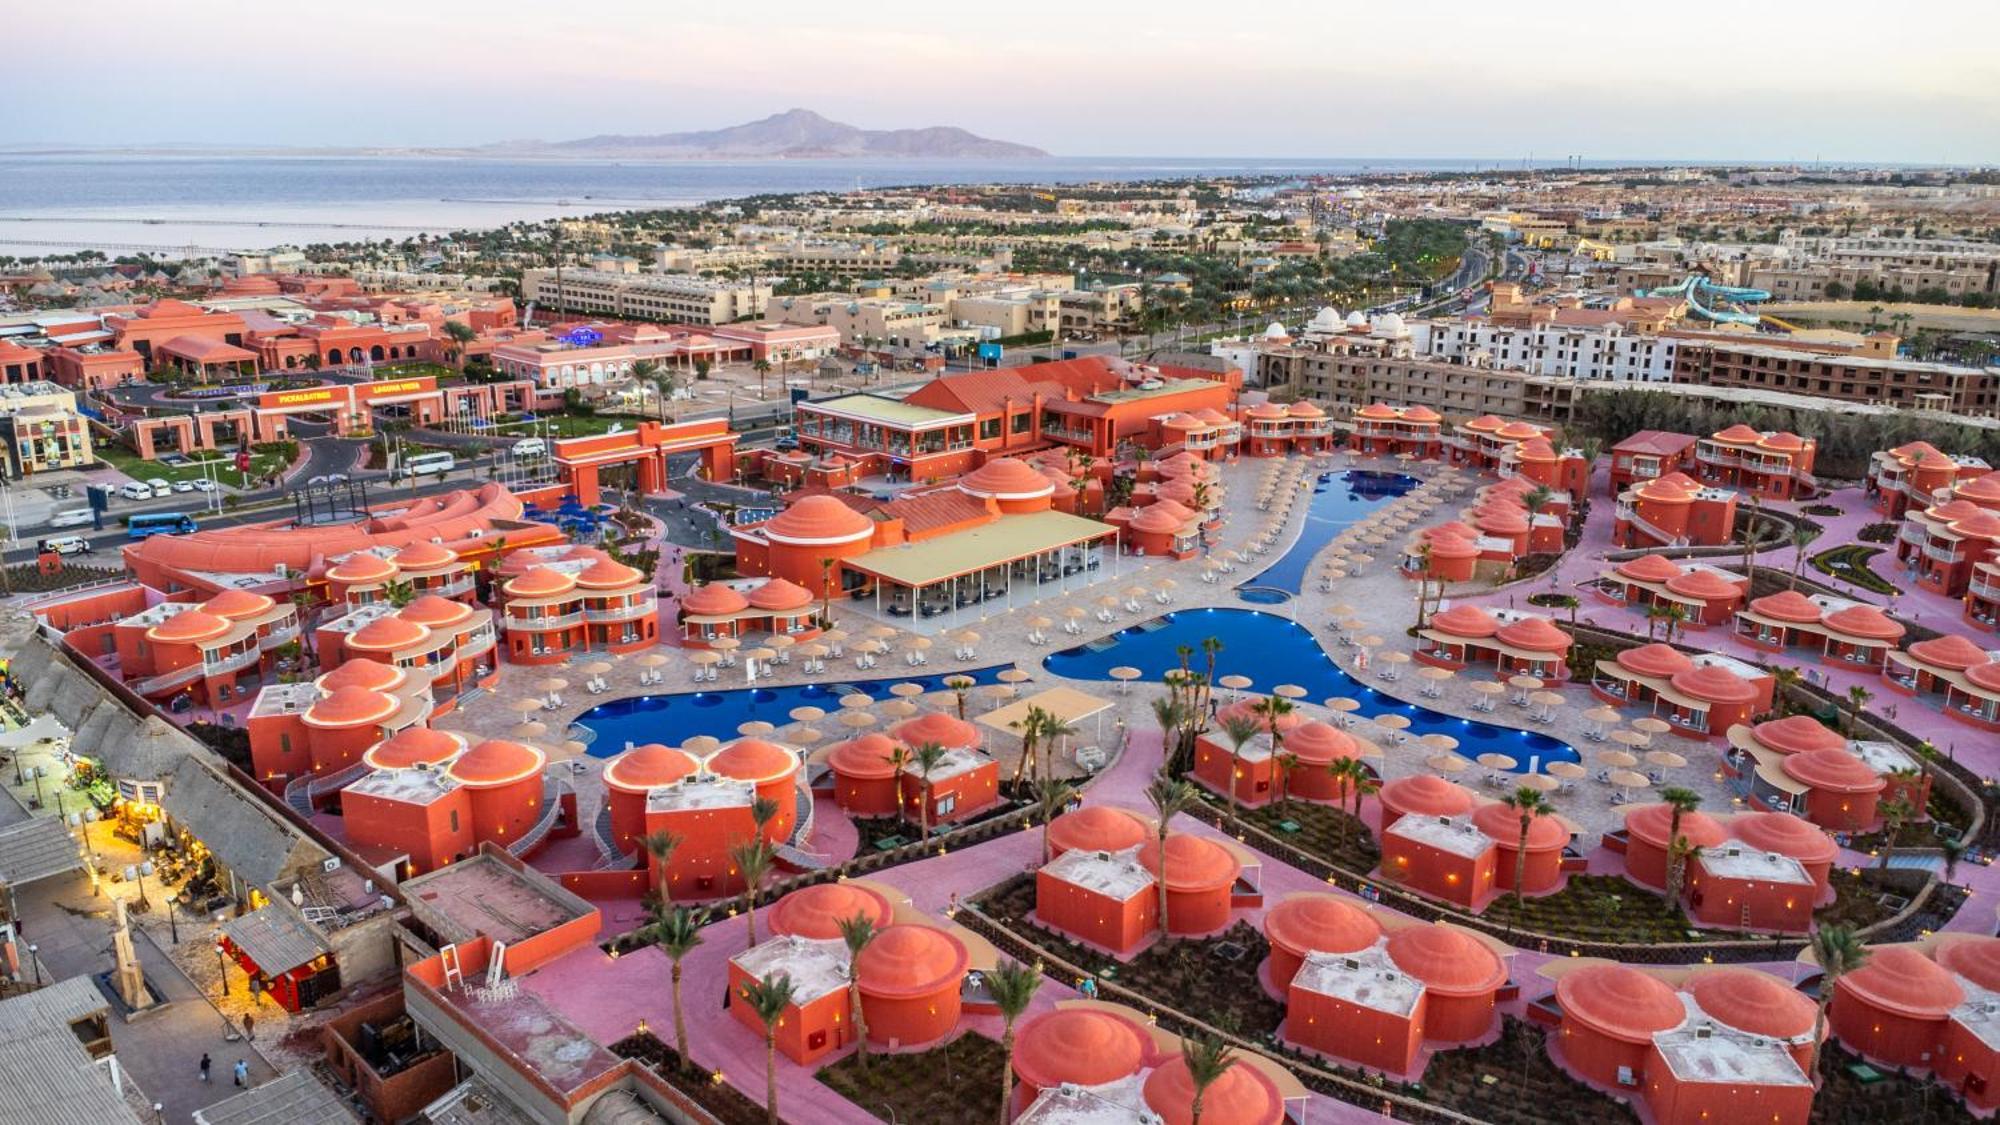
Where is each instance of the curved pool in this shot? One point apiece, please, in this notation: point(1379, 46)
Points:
point(1273, 650)
point(673, 719)
point(1338, 500)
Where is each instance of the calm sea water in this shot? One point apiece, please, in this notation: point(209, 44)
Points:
point(166, 204)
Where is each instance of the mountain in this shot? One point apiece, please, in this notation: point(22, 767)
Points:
point(797, 134)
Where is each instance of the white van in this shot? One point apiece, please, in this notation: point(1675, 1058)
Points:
point(530, 447)
point(160, 487)
point(134, 490)
point(73, 517)
point(64, 545)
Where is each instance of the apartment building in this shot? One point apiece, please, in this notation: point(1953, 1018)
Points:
point(1809, 282)
point(873, 321)
point(1608, 351)
point(1007, 313)
point(1872, 373)
point(655, 297)
point(43, 429)
point(843, 259)
point(1352, 372)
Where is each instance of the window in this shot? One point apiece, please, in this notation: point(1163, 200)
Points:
point(1020, 423)
point(989, 428)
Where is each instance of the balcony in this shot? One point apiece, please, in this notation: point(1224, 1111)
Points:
point(1652, 530)
point(1913, 533)
point(545, 624)
point(1081, 437)
point(1317, 428)
point(1944, 554)
point(623, 613)
point(282, 635)
point(1201, 441)
point(1984, 586)
point(460, 585)
point(1710, 456)
point(480, 642)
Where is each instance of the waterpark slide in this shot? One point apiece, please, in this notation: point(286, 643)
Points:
point(1719, 303)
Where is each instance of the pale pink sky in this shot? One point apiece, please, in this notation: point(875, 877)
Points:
point(1913, 80)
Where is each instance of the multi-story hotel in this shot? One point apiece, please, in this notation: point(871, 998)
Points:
point(1911, 475)
point(1776, 465)
point(645, 296)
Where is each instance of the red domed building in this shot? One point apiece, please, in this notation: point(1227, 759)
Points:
point(1244, 1095)
point(1610, 1014)
point(1315, 744)
point(1422, 794)
point(1969, 1060)
point(1200, 876)
point(1965, 675)
point(1519, 644)
point(1776, 622)
point(1860, 634)
point(771, 769)
point(1547, 837)
point(817, 911)
point(1456, 637)
point(791, 544)
point(1796, 839)
point(865, 775)
point(1461, 978)
point(1716, 694)
point(1104, 898)
point(1533, 646)
point(911, 978)
point(1305, 924)
point(629, 777)
point(1076, 1046)
point(1097, 828)
point(431, 805)
point(1441, 556)
point(1010, 484)
point(1894, 1009)
point(1757, 1004)
point(1647, 829)
point(1841, 791)
point(710, 612)
point(1445, 857)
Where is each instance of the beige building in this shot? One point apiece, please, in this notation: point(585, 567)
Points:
point(43, 427)
point(1007, 314)
point(871, 321)
point(659, 297)
point(1350, 374)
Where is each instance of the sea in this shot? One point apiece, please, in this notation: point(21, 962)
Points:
point(169, 205)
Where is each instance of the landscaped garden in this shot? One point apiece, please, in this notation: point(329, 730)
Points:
point(728, 1104)
point(954, 1083)
point(1599, 908)
point(1321, 830)
point(1849, 563)
point(1878, 533)
point(1512, 1081)
point(266, 458)
point(1853, 1092)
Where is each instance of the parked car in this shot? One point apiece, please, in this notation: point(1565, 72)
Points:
point(64, 545)
point(185, 485)
point(203, 484)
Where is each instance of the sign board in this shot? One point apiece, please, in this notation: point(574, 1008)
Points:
point(991, 353)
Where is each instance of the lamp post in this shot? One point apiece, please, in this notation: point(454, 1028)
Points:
point(144, 869)
point(222, 964)
point(34, 955)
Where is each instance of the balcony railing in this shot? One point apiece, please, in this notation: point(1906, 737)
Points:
point(1913, 533)
point(1658, 534)
point(459, 585)
point(282, 635)
point(1717, 457)
point(546, 623)
point(1985, 587)
point(1058, 434)
point(1944, 554)
point(626, 613)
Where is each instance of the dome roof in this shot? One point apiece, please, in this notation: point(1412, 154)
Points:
point(1005, 478)
point(867, 757)
point(1650, 568)
point(1447, 959)
point(1377, 411)
point(1451, 527)
point(1327, 317)
point(1519, 431)
point(1536, 634)
point(713, 600)
point(238, 604)
point(1501, 521)
point(1902, 981)
point(1388, 324)
point(497, 762)
point(1276, 331)
point(1503, 826)
point(1704, 584)
point(753, 759)
point(1977, 959)
point(1486, 422)
point(1758, 1003)
point(911, 960)
point(413, 746)
point(1357, 319)
point(362, 566)
point(1796, 734)
point(1304, 409)
point(1656, 660)
point(1783, 441)
point(1864, 621)
point(608, 574)
point(1425, 794)
point(388, 634)
point(1320, 923)
point(1158, 520)
point(643, 767)
point(540, 582)
point(1985, 525)
point(1649, 824)
point(1985, 675)
point(1243, 1095)
point(1620, 1002)
point(1788, 605)
point(1268, 410)
point(433, 611)
point(1738, 433)
point(351, 707)
point(1665, 490)
point(1183, 421)
point(361, 672)
point(781, 595)
point(816, 520)
point(1421, 414)
point(1984, 487)
point(1078, 1046)
point(817, 911)
point(1785, 834)
point(1715, 684)
point(1194, 863)
point(425, 556)
point(1534, 449)
point(1453, 547)
point(187, 627)
point(1834, 770)
point(1465, 621)
point(1097, 828)
point(1315, 743)
point(1953, 511)
point(948, 731)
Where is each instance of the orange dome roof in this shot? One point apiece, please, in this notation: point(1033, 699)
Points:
point(1304, 409)
point(1620, 1002)
point(540, 582)
point(1156, 519)
point(497, 762)
point(780, 595)
point(1421, 414)
point(1097, 828)
point(608, 574)
point(1243, 1095)
point(1715, 684)
point(425, 556)
point(817, 911)
point(1985, 525)
point(911, 960)
point(1758, 1003)
point(1834, 770)
point(1864, 621)
point(1194, 863)
point(1977, 959)
point(644, 767)
point(1656, 660)
point(1985, 487)
point(1796, 734)
point(432, 611)
point(1953, 511)
point(1649, 824)
point(948, 731)
point(1454, 527)
point(1503, 826)
point(351, 707)
point(1425, 794)
point(362, 566)
point(1447, 959)
point(1453, 547)
point(1376, 411)
point(1078, 1046)
point(1662, 490)
point(1985, 675)
point(1785, 834)
point(1535, 449)
point(1267, 411)
point(1936, 462)
point(1320, 923)
point(1704, 584)
point(238, 604)
point(1519, 431)
point(1650, 568)
point(1902, 981)
point(1783, 442)
point(1182, 422)
point(187, 627)
point(1501, 521)
point(1738, 433)
point(713, 600)
point(1536, 634)
point(1316, 743)
point(413, 746)
point(753, 759)
point(1172, 507)
point(388, 634)
point(1787, 605)
point(361, 672)
point(1486, 422)
point(867, 757)
point(1465, 621)
point(818, 520)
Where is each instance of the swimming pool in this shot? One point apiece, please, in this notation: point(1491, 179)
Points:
point(1338, 499)
point(673, 719)
point(1272, 650)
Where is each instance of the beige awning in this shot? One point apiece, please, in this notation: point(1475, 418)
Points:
point(981, 548)
point(1066, 704)
point(1771, 771)
point(1756, 618)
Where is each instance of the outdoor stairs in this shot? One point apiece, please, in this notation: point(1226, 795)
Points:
point(607, 840)
point(298, 794)
point(552, 795)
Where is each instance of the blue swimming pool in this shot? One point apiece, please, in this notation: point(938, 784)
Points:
point(1273, 650)
point(1339, 499)
point(673, 719)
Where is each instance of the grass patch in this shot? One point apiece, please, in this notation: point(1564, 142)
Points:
point(1512, 1081)
point(27, 578)
point(954, 1083)
point(1877, 533)
point(1902, 1098)
point(725, 1102)
point(1322, 831)
point(1849, 563)
point(1857, 900)
point(1824, 511)
point(138, 468)
point(1598, 908)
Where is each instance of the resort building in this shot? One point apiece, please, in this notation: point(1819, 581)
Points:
point(578, 605)
point(912, 982)
point(1097, 828)
point(1964, 677)
point(1649, 830)
point(1703, 595)
point(1445, 857)
point(1649, 455)
point(707, 803)
point(1482, 442)
point(1948, 548)
point(415, 811)
point(1843, 631)
point(1422, 794)
point(1897, 1009)
point(964, 783)
point(817, 1021)
point(1969, 1060)
point(1798, 766)
point(1515, 642)
point(1382, 430)
point(320, 731)
point(1700, 696)
point(450, 643)
point(1674, 510)
point(1733, 886)
point(1775, 465)
point(1105, 899)
point(715, 610)
point(1911, 475)
point(1302, 925)
point(212, 652)
point(1075, 1049)
point(1253, 766)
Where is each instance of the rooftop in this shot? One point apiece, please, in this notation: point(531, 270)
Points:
point(1009, 538)
point(1366, 978)
point(292, 1098)
point(1734, 861)
point(817, 967)
point(1980, 1014)
point(486, 894)
point(1454, 834)
point(701, 791)
point(1115, 875)
point(1700, 1051)
point(411, 786)
point(886, 411)
point(1114, 1103)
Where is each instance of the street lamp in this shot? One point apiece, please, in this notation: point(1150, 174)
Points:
point(144, 869)
point(34, 955)
point(222, 964)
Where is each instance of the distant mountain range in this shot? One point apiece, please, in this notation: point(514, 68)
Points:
point(796, 134)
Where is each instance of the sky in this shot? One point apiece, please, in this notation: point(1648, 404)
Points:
point(1915, 81)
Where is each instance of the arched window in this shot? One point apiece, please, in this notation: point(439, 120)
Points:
point(375, 353)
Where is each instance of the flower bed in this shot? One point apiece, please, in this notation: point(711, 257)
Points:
point(955, 1083)
point(1850, 564)
point(728, 1104)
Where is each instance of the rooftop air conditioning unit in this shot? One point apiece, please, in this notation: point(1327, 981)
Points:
point(332, 863)
point(1703, 1032)
point(1349, 963)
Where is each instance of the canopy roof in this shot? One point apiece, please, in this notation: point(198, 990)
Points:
point(979, 548)
point(1066, 704)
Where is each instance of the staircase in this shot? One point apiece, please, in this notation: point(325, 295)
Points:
point(552, 795)
point(607, 840)
point(298, 794)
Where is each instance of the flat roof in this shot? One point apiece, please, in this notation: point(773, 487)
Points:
point(1980, 1014)
point(1882, 757)
point(1734, 861)
point(1115, 1103)
point(1366, 978)
point(482, 894)
point(887, 411)
point(1065, 703)
point(1700, 1051)
point(817, 968)
point(292, 1098)
point(1115, 875)
point(410, 786)
point(1454, 834)
point(976, 549)
point(701, 791)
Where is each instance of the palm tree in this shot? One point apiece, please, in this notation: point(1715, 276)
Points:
point(1171, 714)
point(1207, 1058)
point(1527, 804)
point(1052, 796)
point(763, 811)
point(763, 369)
point(768, 999)
point(1239, 730)
point(1274, 708)
point(960, 687)
point(1169, 795)
point(660, 845)
point(1362, 783)
point(1283, 763)
point(301, 599)
point(1839, 951)
point(1784, 679)
point(753, 860)
point(1800, 537)
point(1894, 812)
point(1679, 801)
point(857, 932)
point(1537, 498)
point(927, 757)
point(677, 932)
point(1030, 726)
point(1012, 986)
point(1952, 850)
point(1857, 698)
point(1344, 771)
point(643, 373)
point(1673, 615)
point(826, 602)
point(1210, 646)
point(1054, 727)
point(1423, 582)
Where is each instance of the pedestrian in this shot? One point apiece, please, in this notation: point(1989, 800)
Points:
point(242, 1073)
point(204, 1066)
point(249, 1026)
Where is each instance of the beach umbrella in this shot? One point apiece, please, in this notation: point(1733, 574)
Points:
point(882, 631)
point(1570, 770)
point(807, 714)
point(1165, 584)
point(1289, 691)
point(857, 720)
point(703, 657)
point(1075, 611)
point(652, 660)
point(524, 705)
point(1629, 779)
point(1334, 574)
point(1343, 704)
point(1396, 657)
point(1393, 722)
point(1630, 738)
point(998, 692)
point(1650, 725)
point(1039, 622)
point(1665, 759)
point(1125, 674)
point(1369, 641)
point(805, 736)
point(1540, 783)
point(780, 641)
point(701, 744)
point(726, 644)
point(1525, 683)
point(1433, 672)
point(1447, 763)
point(551, 684)
point(1602, 715)
point(1012, 676)
point(533, 728)
point(761, 653)
point(1235, 681)
point(1617, 759)
point(1496, 761)
point(966, 637)
point(755, 728)
point(1439, 742)
point(906, 690)
point(812, 651)
point(855, 701)
point(596, 668)
point(899, 708)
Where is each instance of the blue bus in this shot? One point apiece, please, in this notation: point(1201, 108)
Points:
point(159, 523)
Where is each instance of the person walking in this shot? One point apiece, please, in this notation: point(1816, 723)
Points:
point(242, 1073)
point(249, 1026)
point(204, 1066)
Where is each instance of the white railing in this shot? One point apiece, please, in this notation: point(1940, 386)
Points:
point(1913, 533)
point(552, 795)
point(1658, 533)
point(1984, 587)
point(336, 781)
point(543, 624)
point(1947, 554)
point(623, 613)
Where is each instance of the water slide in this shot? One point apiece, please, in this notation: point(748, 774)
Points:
point(1710, 301)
